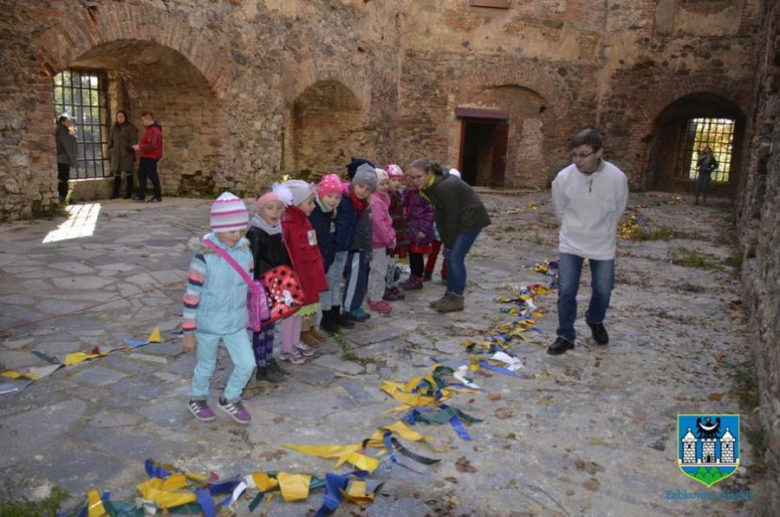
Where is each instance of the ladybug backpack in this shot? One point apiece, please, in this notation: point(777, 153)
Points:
point(285, 293)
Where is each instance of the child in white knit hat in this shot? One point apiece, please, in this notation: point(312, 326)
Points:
point(301, 242)
point(215, 309)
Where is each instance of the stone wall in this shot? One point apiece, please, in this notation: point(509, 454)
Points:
point(243, 89)
point(221, 77)
point(759, 223)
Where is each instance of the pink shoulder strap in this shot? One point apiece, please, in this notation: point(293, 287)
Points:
point(248, 279)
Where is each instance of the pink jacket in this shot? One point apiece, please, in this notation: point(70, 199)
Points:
point(382, 232)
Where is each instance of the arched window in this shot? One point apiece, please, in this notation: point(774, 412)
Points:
point(83, 95)
point(715, 133)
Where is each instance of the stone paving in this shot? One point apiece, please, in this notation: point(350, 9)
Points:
point(588, 433)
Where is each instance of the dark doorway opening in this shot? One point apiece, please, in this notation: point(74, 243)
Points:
point(682, 130)
point(483, 152)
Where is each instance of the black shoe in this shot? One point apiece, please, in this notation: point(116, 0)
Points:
point(341, 319)
point(274, 367)
point(427, 276)
point(600, 335)
point(139, 199)
point(267, 374)
point(560, 346)
point(328, 323)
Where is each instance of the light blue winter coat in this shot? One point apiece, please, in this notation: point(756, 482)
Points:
point(223, 301)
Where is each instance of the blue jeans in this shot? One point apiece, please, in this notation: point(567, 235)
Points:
point(455, 257)
point(569, 272)
point(240, 350)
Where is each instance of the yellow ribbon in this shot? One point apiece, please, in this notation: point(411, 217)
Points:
point(80, 357)
point(294, 487)
point(163, 492)
point(95, 506)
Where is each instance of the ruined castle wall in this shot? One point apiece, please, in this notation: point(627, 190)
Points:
point(759, 225)
point(221, 78)
point(612, 66)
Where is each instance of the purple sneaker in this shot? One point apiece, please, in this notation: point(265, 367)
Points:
point(236, 410)
point(200, 409)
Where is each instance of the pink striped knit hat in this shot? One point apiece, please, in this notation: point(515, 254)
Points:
point(228, 214)
point(394, 171)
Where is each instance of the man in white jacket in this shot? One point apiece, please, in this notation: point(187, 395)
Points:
point(589, 196)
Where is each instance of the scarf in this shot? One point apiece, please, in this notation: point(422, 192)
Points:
point(359, 204)
point(322, 207)
point(261, 223)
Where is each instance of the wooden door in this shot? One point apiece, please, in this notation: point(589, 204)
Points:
point(500, 148)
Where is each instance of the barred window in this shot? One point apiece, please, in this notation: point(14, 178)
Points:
point(698, 133)
point(83, 95)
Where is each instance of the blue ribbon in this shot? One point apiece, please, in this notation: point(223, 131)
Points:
point(224, 486)
point(206, 502)
point(497, 369)
point(155, 471)
point(457, 425)
point(334, 484)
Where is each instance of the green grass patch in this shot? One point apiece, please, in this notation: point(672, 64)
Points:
point(11, 506)
point(345, 347)
point(735, 260)
point(691, 258)
point(654, 234)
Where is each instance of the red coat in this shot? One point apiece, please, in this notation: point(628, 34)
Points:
point(151, 145)
point(301, 241)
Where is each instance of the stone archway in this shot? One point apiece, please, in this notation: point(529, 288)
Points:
point(671, 149)
point(161, 65)
point(326, 125)
point(147, 76)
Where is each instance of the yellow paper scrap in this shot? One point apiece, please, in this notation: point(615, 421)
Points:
point(152, 490)
point(264, 482)
point(95, 505)
point(155, 336)
point(15, 374)
point(79, 357)
point(356, 493)
point(294, 487)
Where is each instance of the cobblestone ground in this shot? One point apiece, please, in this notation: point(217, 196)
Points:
point(591, 432)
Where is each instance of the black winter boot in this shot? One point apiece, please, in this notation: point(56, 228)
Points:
point(117, 185)
point(341, 319)
point(128, 185)
point(274, 367)
point(328, 323)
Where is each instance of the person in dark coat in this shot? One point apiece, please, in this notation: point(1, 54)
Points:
point(706, 164)
point(359, 244)
point(329, 194)
point(121, 139)
point(67, 153)
point(268, 250)
point(460, 216)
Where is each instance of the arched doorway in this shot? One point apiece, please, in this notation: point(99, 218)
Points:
point(683, 129)
point(503, 138)
point(147, 76)
point(326, 126)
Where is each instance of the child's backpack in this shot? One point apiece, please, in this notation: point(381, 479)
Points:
point(258, 309)
point(285, 292)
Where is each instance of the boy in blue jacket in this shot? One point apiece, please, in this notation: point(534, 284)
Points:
point(352, 244)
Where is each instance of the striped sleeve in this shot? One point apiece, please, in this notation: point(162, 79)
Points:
point(195, 279)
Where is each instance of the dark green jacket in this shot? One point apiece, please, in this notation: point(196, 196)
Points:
point(458, 208)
